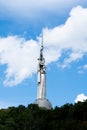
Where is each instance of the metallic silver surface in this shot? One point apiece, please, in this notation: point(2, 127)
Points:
point(44, 103)
point(41, 77)
point(41, 73)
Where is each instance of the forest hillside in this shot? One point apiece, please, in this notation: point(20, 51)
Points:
point(66, 117)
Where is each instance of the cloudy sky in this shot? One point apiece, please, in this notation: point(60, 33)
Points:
point(64, 25)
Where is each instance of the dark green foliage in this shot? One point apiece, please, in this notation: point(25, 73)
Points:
point(66, 117)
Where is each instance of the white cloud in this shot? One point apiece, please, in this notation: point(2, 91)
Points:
point(85, 66)
point(35, 8)
point(81, 97)
point(70, 36)
point(82, 69)
point(20, 55)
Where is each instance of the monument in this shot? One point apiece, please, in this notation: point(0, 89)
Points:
point(41, 100)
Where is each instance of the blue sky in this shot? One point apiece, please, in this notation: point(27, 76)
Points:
point(64, 25)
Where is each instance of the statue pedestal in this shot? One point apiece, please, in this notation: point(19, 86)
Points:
point(44, 103)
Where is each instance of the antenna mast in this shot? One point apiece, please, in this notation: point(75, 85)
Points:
point(41, 50)
point(42, 42)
